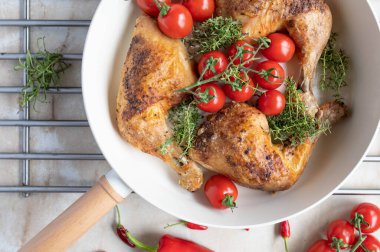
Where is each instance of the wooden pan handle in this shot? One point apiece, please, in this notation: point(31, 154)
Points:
point(75, 220)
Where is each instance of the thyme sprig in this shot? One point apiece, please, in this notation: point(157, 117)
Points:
point(213, 34)
point(235, 75)
point(185, 120)
point(294, 124)
point(334, 63)
point(44, 70)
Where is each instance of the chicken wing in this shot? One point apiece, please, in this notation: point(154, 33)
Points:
point(154, 68)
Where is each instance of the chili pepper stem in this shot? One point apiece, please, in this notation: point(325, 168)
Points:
point(286, 244)
point(175, 224)
point(141, 245)
point(118, 217)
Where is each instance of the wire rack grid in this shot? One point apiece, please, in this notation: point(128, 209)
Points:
point(25, 156)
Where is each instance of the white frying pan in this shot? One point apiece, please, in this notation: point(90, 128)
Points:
point(334, 159)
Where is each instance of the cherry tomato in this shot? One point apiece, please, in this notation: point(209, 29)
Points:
point(341, 229)
point(221, 192)
point(370, 243)
point(272, 102)
point(281, 48)
point(371, 215)
point(200, 9)
point(245, 57)
point(150, 7)
point(216, 103)
point(320, 246)
point(266, 80)
point(244, 94)
point(177, 23)
point(219, 67)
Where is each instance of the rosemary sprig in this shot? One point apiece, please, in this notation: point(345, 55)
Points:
point(294, 124)
point(43, 72)
point(334, 63)
point(213, 34)
point(185, 120)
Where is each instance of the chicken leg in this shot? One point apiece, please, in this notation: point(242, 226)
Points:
point(236, 142)
point(308, 22)
point(154, 68)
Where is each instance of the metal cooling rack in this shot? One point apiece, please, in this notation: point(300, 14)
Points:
point(25, 156)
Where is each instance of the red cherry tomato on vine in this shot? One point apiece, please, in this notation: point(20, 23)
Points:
point(150, 7)
point(221, 192)
point(281, 48)
point(219, 67)
point(177, 22)
point(272, 102)
point(242, 95)
point(370, 243)
point(200, 9)
point(341, 229)
point(371, 215)
point(245, 56)
point(214, 104)
point(321, 246)
point(269, 69)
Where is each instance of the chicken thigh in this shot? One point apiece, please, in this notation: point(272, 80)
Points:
point(154, 68)
point(236, 142)
point(308, 22)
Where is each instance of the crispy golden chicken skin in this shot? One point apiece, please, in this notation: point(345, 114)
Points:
point(308, 22)
point(236, 142)
point(154, 68)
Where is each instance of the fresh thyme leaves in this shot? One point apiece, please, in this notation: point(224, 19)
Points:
point(185, 119)
point(294, 124)
point(43, 72)
point(235, 75)
point(213, 34)
point(334, 64)
point(164, 147)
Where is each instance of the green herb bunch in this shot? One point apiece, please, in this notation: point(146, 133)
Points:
point(185, 120)
point(213, 34)
point(43, 72)
point(334, 64)
point(294, 124)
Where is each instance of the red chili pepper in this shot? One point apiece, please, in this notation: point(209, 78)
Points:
point(285, 232)
point(122, 232)
point(170, 243)
point(195, 226)
point(246, 229)
point(188, 225)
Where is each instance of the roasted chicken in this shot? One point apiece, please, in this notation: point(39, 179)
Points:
point(236, 142)
point(307, 21)
point(154, 68)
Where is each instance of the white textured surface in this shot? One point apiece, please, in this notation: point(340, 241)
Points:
point(21, 218)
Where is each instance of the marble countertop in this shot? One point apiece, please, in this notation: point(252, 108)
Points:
point(21, 218)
